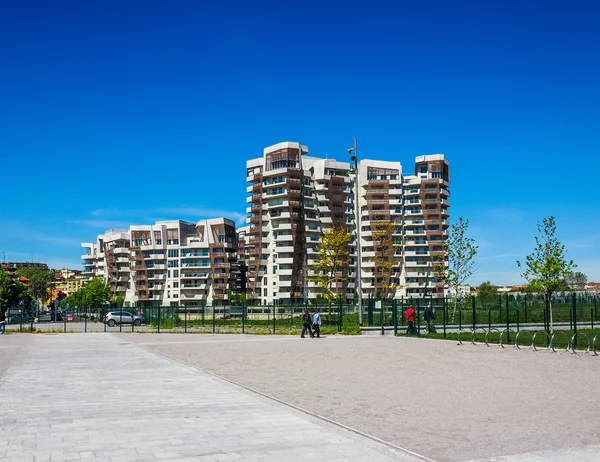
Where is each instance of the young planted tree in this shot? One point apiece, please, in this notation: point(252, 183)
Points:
point(547, 267)
point(331, 259)
point(460, 251)
point(385, 249)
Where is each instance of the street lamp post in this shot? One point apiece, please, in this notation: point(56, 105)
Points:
point(354, 158)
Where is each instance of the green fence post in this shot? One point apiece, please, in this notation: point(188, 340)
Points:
point(499, 309)
point(213, 311)
point(445, 313)
point(418, 320)
point(507, 319)
point(547, 314)
point(473, 311)
point(102, 315)
point(525, 303)
point(31, 321)
point(158, 318)
point(574, 302)
point(64, 321)
point(274, 320)
point(592, 316)
point(185, 318)
point(395, 315)
point(489, 318)
point(381, 316)
point(459, 317)
point(596, 307)
point(121, 321)
point(243, 316)
point(340, 314)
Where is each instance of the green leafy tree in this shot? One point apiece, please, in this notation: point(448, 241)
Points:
point(331, 259)
point(12, 292)
point(576, 280)
point(487, 294)
point(460, 252)
point(547, 267)
point(93, 294)
point(40, 280)
point(118, 300)
point(385, 249)
point(236, 298)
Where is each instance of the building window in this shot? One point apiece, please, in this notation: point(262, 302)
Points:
point(423, 169)
point(176, 285)
point(173, 263)
point(175, 273)
point(173, 253)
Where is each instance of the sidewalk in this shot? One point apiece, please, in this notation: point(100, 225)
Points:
point(99, 397)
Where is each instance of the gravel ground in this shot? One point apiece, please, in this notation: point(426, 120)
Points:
point(438, 399)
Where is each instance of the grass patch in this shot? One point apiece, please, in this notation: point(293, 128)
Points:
point(561, 338)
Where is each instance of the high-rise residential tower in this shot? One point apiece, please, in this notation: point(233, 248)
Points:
point(294, 198)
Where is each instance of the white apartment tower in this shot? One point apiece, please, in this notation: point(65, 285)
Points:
point(293, 198)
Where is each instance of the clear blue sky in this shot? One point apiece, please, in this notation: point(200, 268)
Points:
point(119, 112)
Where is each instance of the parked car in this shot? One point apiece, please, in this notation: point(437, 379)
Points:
point(113, 318)
point(49, 316)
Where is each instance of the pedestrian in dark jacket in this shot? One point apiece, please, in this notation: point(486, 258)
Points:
point(306, 321)
point(429, 316)
point(410, 319)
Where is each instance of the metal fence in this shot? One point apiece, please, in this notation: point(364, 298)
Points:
point(569, 312)
point(264, 319)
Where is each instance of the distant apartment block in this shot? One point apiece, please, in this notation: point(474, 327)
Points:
point(293, 198)
point(168, 263)
point(108, 258)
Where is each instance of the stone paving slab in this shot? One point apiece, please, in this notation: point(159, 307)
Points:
point(99, 397)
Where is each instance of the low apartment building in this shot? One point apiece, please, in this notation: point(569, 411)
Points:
point(181, 263)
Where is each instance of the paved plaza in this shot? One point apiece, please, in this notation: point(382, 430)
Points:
point(97, 396)
point(151, 397)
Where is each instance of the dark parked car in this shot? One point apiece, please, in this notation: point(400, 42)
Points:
point(48, 316)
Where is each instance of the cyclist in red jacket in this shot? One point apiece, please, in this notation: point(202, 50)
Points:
point(410, 319)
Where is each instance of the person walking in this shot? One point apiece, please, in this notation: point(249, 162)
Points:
point(429, 316)
point(306, 323)
point(2, 321)
point(317, 324)
point(410, 319)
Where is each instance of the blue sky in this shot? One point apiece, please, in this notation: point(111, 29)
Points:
point(129, 112)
